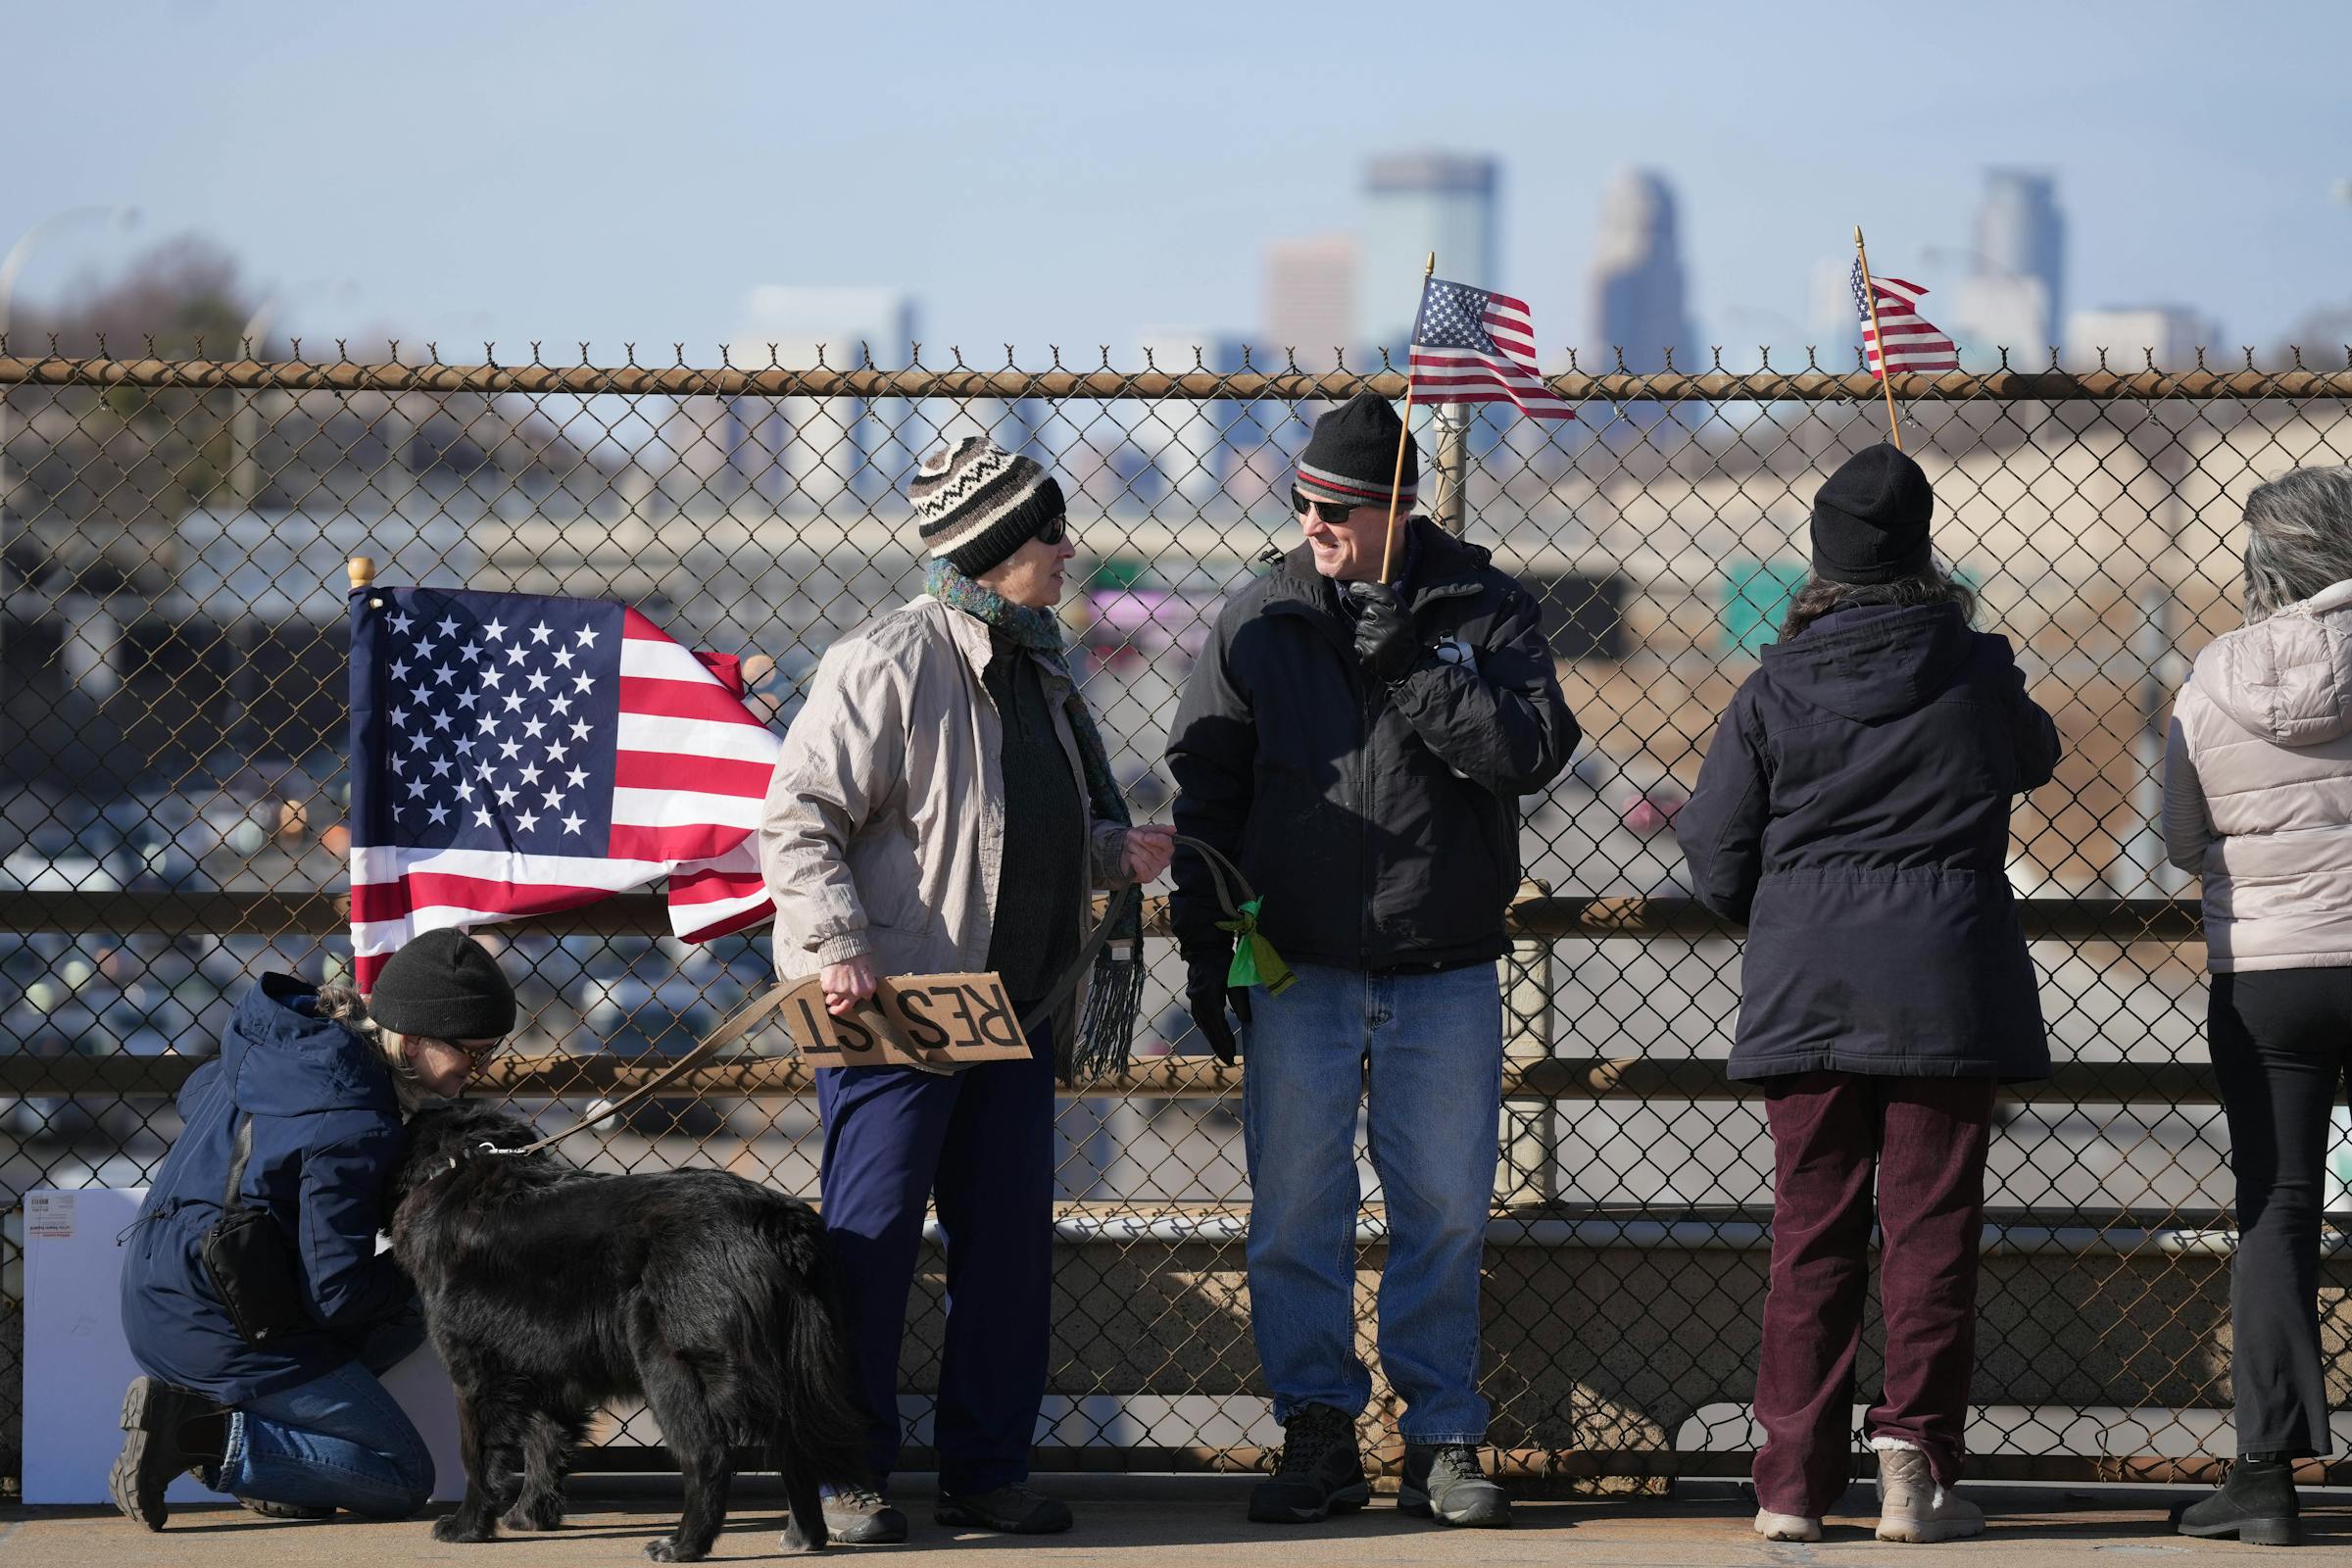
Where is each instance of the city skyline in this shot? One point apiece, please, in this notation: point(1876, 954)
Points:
point(1069, 224)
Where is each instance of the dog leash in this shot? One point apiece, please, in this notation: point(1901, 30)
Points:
point(737, 1024)
point(1224, 876)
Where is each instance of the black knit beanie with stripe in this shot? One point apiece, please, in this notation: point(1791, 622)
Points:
point(1351, 456)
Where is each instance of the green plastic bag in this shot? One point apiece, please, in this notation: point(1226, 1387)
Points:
point(1255, 960)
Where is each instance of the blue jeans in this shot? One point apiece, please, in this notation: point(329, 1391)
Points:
point(336, 1441)
point(1434, 1043)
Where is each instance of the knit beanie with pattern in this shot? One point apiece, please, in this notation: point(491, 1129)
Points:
point(976, 503)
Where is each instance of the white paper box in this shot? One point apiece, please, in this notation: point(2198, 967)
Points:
point(77, 1364)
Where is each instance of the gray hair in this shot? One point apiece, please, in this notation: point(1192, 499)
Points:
point(2298, 538)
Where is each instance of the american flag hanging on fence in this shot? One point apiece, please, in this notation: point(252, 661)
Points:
point(514, 754)
point(1470, 346)
point(1913, 342)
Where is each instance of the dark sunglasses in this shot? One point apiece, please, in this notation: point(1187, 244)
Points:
point(1054, 532)
point(1330, 511)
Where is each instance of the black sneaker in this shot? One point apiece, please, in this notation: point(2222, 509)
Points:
point(2256, 1504)
point(1443, 1481)
point(857, 1516)
point(167, 1430)
point(1012, 1509)
point(1321, 1470)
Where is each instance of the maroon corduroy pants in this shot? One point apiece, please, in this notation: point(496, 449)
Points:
point(1921, 1143)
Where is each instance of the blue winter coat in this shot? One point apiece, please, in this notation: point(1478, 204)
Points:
point(1855, 812)
point(327, 1135)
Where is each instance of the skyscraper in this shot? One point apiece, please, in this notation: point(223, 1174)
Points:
point(1416, 203)
point(2014, 295)
point(1185, 444)
point(2020, 231)
point(2129, 335)
point(798, 447)
point(1832, 324)
point(1637, 299)
point(1311, 301)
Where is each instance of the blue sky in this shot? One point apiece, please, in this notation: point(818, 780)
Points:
point(1042, 174)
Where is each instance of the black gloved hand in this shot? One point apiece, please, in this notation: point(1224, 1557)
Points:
point(1208, 1007)
point(1385, 644)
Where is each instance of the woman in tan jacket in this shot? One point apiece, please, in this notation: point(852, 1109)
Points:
point(2258, 803)
point(945, 804)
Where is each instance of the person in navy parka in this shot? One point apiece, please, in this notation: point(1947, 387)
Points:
point(1853, 811)
point(300, 1426)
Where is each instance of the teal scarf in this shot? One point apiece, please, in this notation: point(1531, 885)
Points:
point(1105, 1036)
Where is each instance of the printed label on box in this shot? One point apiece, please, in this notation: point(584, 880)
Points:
point(49, 1216)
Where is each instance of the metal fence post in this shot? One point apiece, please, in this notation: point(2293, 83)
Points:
point(1529, 1126)
point(1446, 508)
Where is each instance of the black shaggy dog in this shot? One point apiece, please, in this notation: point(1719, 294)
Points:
point(551, 1291)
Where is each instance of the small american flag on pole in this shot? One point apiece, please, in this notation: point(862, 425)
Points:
point(1471, 346)
point(1913, 342)
point(515, 754)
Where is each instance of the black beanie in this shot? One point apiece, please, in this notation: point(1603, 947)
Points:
point(443, 985)
point(1870, 520)
point(1352, 457)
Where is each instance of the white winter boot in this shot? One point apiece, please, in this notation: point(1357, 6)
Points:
point(1787, 1526)
point(1912, 1506)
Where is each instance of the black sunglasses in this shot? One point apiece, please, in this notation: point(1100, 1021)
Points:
point(1054, 532)
point(1330, 511)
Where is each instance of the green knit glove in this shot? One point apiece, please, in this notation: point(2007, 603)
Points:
point(1255, 960)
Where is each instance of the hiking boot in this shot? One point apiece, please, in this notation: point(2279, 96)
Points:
point(1443, 1481)
point(1012, 1509)
point(168, 1430)
point(1913, 1507)
point(859, 1516)
point(2256, 1504)
point(1321, 1470)
point(283, 1510)
point(1787, 1526)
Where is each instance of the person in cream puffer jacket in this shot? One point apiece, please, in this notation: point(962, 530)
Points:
point(2258, 803)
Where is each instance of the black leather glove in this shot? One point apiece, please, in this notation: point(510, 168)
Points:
point(1208, 1007)
point(1385, 643)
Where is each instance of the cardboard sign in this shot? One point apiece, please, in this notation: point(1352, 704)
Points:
point(940, 1021)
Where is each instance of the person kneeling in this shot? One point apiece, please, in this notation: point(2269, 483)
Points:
point(298, 1122)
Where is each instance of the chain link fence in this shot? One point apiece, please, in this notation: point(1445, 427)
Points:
point(173, 539)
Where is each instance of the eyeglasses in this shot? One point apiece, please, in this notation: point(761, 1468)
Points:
point(1330, 511)
point(1054, 532)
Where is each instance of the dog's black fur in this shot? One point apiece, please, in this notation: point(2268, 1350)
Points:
point(551, 1291)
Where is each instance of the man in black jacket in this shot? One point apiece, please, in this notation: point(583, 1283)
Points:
point(1359, 748)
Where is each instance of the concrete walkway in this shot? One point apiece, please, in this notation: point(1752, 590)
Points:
point(1187, 1522)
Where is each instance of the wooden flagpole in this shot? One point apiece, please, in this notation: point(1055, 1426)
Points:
point(1388, 553)
point(1870, 292)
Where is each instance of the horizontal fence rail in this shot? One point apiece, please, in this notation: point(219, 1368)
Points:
point(172, 795)
point(1159, 385)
